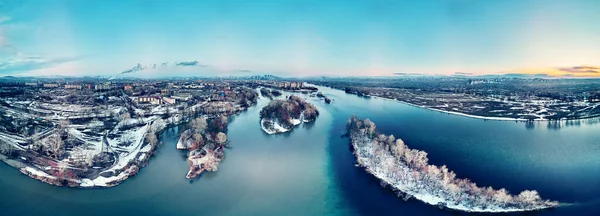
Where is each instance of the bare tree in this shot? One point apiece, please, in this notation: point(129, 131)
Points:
point(55, 144)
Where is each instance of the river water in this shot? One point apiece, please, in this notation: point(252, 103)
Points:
point(310, 171)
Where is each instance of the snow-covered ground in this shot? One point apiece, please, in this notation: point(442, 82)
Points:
point(276, 127)
point(462, 114)
point(128, 153)
point(128, 146)
point(422, 186)
point(540, 117)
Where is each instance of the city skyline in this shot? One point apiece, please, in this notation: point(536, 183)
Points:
point(300, 38)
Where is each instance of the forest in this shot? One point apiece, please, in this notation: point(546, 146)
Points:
point(287, 112)
point(408, 171)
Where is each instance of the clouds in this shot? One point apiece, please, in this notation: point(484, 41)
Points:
point(140, 67)
point(410, 74)
point(19, 57)
point(21, 63)
point(581, 69)
point(463, 73)
point(3, 40)
point(177, 69)
point(332, 38)
point(567, 71)
point(189, 63)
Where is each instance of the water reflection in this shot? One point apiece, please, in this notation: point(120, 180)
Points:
point(555, 125)
point(311, 170)
point(308, 125)
point(530, 125)
point(561, 124)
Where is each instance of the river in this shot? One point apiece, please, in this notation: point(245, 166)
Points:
point(310, 171)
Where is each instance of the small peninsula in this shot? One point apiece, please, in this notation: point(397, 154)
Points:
point(281, 116)
point(205, 143)
point(88, 133)
point(408, 172)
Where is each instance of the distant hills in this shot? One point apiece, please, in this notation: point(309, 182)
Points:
point(195, 69)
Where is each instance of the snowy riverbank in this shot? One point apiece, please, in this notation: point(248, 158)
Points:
point(128, 163)
point(459, 113)
point(128, 159)
point(276, 127)
point(407, 170)
point(485, 117)
point(281, 116)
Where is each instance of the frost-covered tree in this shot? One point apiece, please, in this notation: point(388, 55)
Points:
point(221, 138)
point(198, 124)
point(198, 140)
point(125, 116)
point(151, 138)
point(502, 197)
point(529, 196)
point(224, 120)
point(390, 140)
point(399, 148)
point(408, 170)
point(158, 125)
point(55, 145)
point(6, 148)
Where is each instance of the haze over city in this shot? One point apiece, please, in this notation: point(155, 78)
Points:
point(300, 38)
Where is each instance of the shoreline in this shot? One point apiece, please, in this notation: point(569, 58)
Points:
point(142, 159)
point(469, 115)
point(483, 117)
point(277, 129)
point(435, 201)
point(432, 185)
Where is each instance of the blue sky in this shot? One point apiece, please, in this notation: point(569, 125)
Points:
point(42, 37)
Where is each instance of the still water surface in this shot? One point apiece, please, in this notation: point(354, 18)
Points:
point(311, 171)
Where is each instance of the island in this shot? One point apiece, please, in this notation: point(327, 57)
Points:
point(205, 143)
point(281, 116)
point(269, 93)
point(290, 86)
point(325, 98)
point(408, 172)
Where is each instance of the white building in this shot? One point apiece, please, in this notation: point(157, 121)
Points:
point(148, 99)
point(103, 87)
point(72, 86)
point(169, 100)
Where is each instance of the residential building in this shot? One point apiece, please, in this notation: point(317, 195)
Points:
point(104, 87)
point(148, 99)
point(169, 100)
point(71, 86)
